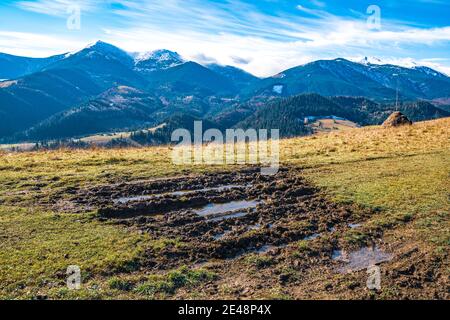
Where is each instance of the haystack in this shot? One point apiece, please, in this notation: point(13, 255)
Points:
point(397, 119)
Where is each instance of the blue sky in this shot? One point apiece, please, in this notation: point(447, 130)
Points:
point(262, 36)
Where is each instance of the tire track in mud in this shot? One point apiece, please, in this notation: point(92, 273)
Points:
point(257, 233)
point(221, 216)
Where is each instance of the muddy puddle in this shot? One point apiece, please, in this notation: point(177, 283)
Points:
point(312, 237)
point(269, 248)
point(131, 199)
point(180, 193)
point(360, 259)
point(257, 227)
point(224, 210)
point(221, 235)
point(223, 215)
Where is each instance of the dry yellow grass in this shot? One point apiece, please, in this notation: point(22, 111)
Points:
point(402, 171)
point(368, 143)
point(328, 125)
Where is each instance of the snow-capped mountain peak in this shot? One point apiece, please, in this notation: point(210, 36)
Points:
point(429, 71)
point(405, 63)
point(103, 48)
point(96, 43)
point(160, 55)
point(408, 63)
point(371, 60)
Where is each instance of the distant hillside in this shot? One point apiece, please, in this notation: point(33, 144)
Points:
point(289, 114)
point(117, 109)
point(325, 77)
point(76, 93)
point(238, 77)
point(108, 66)
point(63, 84)
point(444, 107)
point(367, 112)
point(416, 111)
point(443, 104)
point(190, 78)
point(163, 133)
point(25, 102)
point(343, 77)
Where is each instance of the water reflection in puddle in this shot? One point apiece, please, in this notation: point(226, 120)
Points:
point(336, 255)
point(221, 217)
point(133, 199)
point(360, 259)
point(265, 249)
point(262, 250)
point(125, 200)
point(221, 235)
point(312, 237)
point(214, 209)
point(268, 248)
point(254, 227)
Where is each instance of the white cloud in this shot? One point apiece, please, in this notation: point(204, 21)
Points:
point(57, 7)
point(436, 66)
point(408, 62)
point(272, 43)
point(318, 3)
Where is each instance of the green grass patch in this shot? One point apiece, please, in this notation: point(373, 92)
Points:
point(399, 190)
point(163, 243)
point(166, 285)
point(37, 247)
point(117, 283)
point(259, 261)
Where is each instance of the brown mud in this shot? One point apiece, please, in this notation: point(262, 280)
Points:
point(220, 216)
point(265, 236)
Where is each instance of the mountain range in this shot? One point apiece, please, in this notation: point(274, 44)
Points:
point(102, 88)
